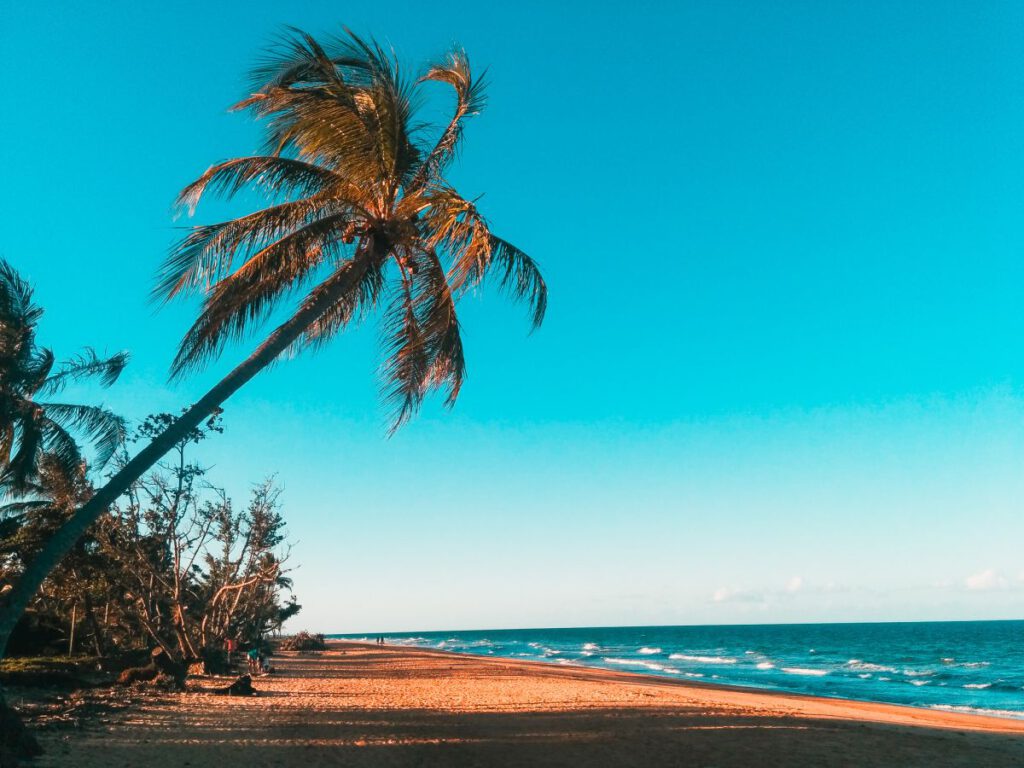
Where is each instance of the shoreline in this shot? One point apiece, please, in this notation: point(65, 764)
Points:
point(372, 706)
point(908, 712)
point(654, 679)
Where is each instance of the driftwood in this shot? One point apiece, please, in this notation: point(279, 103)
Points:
point(241, 687)
point(137, 675)
point(160, 663)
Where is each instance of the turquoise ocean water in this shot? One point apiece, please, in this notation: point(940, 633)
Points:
point(970, 666)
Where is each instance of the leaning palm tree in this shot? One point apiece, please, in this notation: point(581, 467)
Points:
point(30, 425)
point(361, 220)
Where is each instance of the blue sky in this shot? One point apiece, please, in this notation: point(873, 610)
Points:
point(781, 374)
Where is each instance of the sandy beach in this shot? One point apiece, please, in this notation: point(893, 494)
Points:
point(365, 705)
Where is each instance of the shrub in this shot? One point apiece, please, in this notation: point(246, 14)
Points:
point(304, 641)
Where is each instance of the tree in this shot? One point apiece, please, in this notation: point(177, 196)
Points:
point(155, 540)
point(195, 570)
point(29, 427)
point(83, 579)
point(363, 220)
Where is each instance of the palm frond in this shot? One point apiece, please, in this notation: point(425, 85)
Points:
point(24, 464)
point(346, 107)
point(406, 365)
point(18, 319)
point(520, 278)
point(246, 297)
point(207, 254)
point(319, 126)
point(441, 323)
point(16, 297)
point(421, 339)
point(13, 510)
point(61, 449)
point(104, 429)
point(297, 59)
point(30, 371)
point(367, 285)
point(277, 175)
point(454, 225)
point(86, 365)
point(470, 100)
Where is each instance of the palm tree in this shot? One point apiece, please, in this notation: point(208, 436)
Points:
point(30, 427)
point(362, 220)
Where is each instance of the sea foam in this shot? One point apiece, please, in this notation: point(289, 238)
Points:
point(703, 659)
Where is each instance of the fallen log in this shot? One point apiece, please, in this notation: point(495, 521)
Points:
point(241, 687)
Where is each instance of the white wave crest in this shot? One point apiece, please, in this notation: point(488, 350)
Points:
point(638, 663)
point(979, 686)
point(703, 659)
point(649, 651)
point(1013, 713)
point(805, 671)
point(766, 665)
point(867, 666)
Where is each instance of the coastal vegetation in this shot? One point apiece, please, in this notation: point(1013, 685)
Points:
point(173, 565)
point(303, 641)
point(361, 221)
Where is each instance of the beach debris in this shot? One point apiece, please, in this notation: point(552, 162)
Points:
point(137, 675)
point(161, 665)
point(241, 687)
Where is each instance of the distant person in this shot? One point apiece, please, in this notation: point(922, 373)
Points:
point(253, 659)
point(229, 649)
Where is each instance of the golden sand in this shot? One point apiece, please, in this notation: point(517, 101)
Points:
point(365, 705)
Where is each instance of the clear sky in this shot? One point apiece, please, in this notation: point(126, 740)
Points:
point(782, 374)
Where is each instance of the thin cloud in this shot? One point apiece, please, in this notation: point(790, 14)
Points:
point(988, 579)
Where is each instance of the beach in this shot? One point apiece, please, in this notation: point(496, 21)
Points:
point(367, 705)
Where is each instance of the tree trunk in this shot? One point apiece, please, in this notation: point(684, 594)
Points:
point(94, 626)
point(71, 637)
point(329, 292)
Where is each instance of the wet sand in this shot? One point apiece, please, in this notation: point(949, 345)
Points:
point(365, 705)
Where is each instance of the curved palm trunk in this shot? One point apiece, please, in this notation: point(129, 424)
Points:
point(64, 539)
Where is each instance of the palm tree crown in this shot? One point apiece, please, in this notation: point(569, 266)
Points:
point(29, 427)
point(361, 219)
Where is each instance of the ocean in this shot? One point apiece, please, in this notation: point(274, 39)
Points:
point(962, 666)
